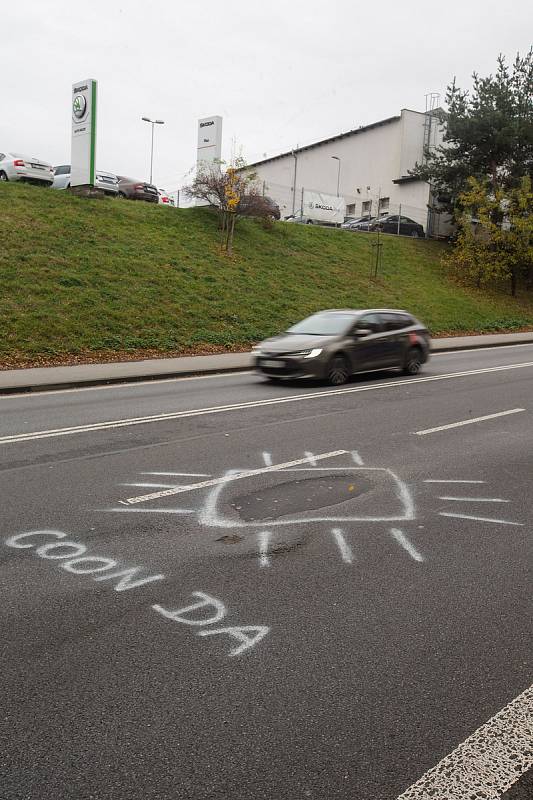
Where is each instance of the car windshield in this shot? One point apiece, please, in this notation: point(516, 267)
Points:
point(323, 324)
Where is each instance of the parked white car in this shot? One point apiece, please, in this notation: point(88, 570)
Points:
point(105, 181)
point(165, 198)
point(16, 167)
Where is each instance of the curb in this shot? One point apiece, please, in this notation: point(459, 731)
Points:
point(190, 373)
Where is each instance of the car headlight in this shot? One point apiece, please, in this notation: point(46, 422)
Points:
point(314, 353)
point(256, 350)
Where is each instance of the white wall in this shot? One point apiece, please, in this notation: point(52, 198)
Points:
point(370, 160)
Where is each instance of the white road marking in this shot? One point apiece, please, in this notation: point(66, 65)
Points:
point(122, 423)
point(132, 384)
point(150, 485)
point(264, 558)
point(154, 510)
point(479, 519)
point(431, 480)
point(476, 499)
point(239, 474)
point(310, 457)
point(180, 474)
point(267, 458)
point(469, 421)
point(404, 542)
point(356, 458)
point(125, 384)
point(344, 549)
point(486, 764)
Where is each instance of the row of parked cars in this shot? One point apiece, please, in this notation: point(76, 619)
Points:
point(17, 167)
point(386, 223)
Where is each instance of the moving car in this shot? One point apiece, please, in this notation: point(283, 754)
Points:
point(398, 224)
point(105, 181)
point(336, 343)
point(16, 167)
point(137, 190)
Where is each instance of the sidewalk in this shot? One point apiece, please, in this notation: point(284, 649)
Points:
point(44, 378)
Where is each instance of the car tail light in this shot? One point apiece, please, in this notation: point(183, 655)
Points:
point(18, 162)
point(164, 199)
point(413, 338)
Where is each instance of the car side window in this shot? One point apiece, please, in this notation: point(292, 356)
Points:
point(369, 322)
point(2, 156)
point(63, 170)
point(394, 322)
point(407, 220)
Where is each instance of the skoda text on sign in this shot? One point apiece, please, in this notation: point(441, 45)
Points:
point(83, 147)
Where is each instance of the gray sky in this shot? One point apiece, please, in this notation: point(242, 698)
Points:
point(281, 74)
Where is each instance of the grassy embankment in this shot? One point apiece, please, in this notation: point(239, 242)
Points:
point(100, 279)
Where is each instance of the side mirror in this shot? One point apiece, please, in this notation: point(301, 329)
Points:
point(360, 333)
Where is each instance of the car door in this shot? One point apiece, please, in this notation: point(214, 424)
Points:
point(366, 352)
point(395, 337)
point(407, 226)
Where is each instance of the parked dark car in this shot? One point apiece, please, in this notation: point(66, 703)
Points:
point(398, 224)
point(137, 190)
point(334, 344)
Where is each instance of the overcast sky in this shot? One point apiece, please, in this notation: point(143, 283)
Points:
point(280, 73)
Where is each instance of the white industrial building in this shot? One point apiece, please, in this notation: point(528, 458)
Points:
point(368, 166)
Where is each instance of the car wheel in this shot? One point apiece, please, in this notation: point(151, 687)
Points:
point(413, 361)
point(338, 370)
point(121, 195)
point(415, 234)
point(3, 176)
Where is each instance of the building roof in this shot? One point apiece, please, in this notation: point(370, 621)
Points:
point(360, 129)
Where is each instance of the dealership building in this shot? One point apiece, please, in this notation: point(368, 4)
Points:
point(369, 167)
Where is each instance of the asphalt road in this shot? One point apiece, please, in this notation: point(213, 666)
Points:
point(329, 622)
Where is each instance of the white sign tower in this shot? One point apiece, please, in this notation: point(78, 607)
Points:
point(209, 148)
point(83, 148)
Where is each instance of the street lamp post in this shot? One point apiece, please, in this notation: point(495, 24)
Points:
point(152, 123)
point(338, 173)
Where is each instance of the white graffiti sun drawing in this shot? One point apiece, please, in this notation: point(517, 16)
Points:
point(334, 489)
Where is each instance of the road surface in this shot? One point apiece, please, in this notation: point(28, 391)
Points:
point(220, 588)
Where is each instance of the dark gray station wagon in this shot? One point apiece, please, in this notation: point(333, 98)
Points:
point(334, 344)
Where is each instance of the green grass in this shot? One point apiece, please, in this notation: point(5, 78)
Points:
point(81, 276)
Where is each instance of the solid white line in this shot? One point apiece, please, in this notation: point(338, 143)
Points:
point(125, 384)
point(480, 519)
point(476, 499)
point(469, 421)
point(344, 548)
point(180, 474)
point(225, 479)
point(122, 423)
point(486, 764)
point(404, 542)
point(431, 480)
point(154, 510)
point(356, 458)
point(132, 384)
point(264, 558)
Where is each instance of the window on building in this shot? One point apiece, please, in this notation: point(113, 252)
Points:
point(366, 208)
point(350, 209)
point(384, 204)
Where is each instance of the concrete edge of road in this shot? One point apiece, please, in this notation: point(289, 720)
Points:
point(41, 379)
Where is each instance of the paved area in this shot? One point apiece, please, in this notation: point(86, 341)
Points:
point(51, 377)
point(217, 588)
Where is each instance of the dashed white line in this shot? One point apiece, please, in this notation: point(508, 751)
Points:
point(264, 558)
point(154, 510)
point(267, 458)
point(356, 458)
point(344, 549)
point(197, 412)
point(180, 474)
point(432, 480)
point(468, 421)
point(480, 519)
point(486, 764)
point(404, 542)
point(476, 499)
